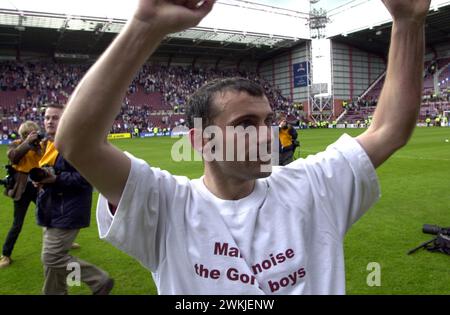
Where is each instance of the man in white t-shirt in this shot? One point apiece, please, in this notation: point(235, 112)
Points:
point(237, 229)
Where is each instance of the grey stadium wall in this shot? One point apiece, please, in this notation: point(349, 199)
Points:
point(353, 71)
point(278, 70)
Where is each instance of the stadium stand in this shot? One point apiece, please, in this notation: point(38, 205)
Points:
point(433, 105)
point(156, 97)
point(159, 92)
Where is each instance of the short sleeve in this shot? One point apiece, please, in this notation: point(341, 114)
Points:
point(343, 182)
point(139, 225)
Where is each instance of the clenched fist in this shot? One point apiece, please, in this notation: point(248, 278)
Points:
point(173, 15)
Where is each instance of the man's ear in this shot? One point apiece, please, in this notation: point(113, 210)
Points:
point(196, 139)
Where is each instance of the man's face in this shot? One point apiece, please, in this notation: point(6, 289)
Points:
point(241, 111)
point(51, 120)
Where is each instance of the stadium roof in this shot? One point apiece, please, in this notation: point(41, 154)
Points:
point(237, 15)
point(377, 38)
point(69, 34)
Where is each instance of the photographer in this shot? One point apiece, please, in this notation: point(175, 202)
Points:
point(63, 208)
point(288, 142)
point(24, 154)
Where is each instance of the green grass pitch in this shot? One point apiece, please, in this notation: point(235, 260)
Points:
point(415, 185)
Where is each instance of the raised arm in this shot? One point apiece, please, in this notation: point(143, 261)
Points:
point(399, 103)
point(84, 126)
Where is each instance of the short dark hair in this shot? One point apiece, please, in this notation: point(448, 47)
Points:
point(54, 105)
point(200, 103)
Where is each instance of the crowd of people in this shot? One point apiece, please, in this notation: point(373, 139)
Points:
point(176, 84)
point(359, 103)
point(33, 84)
point(361, 109)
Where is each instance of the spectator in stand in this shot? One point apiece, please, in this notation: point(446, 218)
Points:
point(47, 82)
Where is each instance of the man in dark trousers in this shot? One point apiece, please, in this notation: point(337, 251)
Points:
point(63, 208)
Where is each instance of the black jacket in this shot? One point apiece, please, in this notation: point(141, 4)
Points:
point(65, 204)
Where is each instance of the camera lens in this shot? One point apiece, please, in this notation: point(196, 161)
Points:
point(431, 229)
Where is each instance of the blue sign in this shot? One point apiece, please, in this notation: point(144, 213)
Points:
point(301, 74)
point(151, 134)
point(302, 81)
point(147, 134)
point(301, 68)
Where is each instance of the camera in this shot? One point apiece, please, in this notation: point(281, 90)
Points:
point(9, 181)
point(40, 137)
point(38, 174)
point(435, 230)
point(439, 243)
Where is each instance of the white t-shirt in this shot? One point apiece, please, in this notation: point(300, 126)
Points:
point(286, 237)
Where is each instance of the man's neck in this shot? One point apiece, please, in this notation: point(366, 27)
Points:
point(227, 188)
